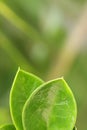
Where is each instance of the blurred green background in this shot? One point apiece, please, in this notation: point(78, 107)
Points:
point(49, 39)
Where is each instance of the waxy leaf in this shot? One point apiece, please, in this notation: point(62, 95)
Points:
point(24, 84)
point(7, 127)
point(51, 107)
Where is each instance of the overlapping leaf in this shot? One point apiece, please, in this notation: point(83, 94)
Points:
point(51, 107)
point(36, 105)
point(23, 85)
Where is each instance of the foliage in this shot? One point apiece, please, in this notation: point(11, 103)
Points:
point(34, 35)
point(38, 105)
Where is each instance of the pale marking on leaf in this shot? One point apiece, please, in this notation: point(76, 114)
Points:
point(50, 102)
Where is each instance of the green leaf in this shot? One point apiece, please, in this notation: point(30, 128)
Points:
point(51, 107)
point(24, 84)
point(7, 127)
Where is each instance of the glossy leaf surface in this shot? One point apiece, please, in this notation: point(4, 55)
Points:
point(51, 107)
point(24, 84)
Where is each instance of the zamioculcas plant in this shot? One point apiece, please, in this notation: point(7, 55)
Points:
point(39, 105)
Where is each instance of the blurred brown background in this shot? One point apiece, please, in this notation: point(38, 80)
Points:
point(49, 39)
